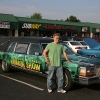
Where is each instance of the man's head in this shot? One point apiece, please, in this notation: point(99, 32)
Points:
point(66, 34)
point(56, 37)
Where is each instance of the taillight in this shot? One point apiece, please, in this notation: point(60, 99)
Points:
point(78, 48)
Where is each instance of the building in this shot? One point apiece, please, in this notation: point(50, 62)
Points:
point(11, 25)
point(8, 25)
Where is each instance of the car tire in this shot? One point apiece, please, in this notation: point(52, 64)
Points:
point(5, 66)
point(67, 80)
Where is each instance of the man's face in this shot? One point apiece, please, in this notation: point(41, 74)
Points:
point(56, 39)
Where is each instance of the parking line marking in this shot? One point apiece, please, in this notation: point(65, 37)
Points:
point(22, 82)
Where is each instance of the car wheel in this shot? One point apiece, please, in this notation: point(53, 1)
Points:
point(67, 80)
point(5, 66)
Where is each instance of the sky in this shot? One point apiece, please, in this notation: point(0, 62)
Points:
point(85, 10)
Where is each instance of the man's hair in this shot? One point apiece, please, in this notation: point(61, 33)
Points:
point(56, 34)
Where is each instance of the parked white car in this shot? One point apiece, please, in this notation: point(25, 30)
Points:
point(75, 45)
point(84, 44)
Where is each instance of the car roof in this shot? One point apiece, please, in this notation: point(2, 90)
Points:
point(5, 41)
point(66, 38)
point(26, 39)
point(70, 41)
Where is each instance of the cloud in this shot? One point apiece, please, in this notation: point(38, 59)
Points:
point(89, 17)
point(92, 7)
point(17, 11)
point(25, 10)
point(50, 15)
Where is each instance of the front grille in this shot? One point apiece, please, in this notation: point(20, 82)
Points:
point(97, 70)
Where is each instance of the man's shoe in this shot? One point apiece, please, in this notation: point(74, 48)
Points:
point(61, 91)
point(49, 90)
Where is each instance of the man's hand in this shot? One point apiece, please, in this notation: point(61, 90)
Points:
point(66, 57)
point(48, 62)
point(68, 62)
point(45, 56)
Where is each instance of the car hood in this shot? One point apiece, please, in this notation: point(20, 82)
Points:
point(88, 50)
point(97, 47)
point(81, 59)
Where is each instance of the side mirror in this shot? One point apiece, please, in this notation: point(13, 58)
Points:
point(36, 53)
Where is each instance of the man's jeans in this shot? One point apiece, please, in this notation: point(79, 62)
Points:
point(59, 75)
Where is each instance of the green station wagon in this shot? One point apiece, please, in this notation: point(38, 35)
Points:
point(25, 53)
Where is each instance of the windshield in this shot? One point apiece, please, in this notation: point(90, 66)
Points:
point(68, 50)
point(75, 43)
point(83, 43)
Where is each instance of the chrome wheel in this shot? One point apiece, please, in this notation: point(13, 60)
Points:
point(66, 80)
point(5, 66)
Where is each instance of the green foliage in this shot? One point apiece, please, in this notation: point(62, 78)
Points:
point(72, 19)
point(36, 16)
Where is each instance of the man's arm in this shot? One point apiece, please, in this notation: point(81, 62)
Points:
point(45, 56)
point(66, 57)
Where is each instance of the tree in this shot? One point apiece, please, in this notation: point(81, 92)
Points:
point(36, 16)
point(61, 20)
point(72, 19)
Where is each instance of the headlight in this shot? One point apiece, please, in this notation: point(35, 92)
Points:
point(86, 71)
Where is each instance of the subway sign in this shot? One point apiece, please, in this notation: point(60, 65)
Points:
point(31, 26)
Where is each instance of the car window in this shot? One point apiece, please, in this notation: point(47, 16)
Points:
point(68, 50)
point(11, 47)
point(21, 48)
point(83, 43)
point(74, 43)
point(44, 46)
point(65, 42)
point(34, 48)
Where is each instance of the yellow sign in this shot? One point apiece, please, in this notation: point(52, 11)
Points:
point(31, 26)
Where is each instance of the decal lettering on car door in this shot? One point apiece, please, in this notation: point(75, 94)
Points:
point(17, 61)
point(33, 64)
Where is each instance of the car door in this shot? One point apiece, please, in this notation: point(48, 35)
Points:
point(8, 54)
point(18, 57)
point(32, 60)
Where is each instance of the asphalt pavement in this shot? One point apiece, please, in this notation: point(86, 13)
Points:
point(18, 85)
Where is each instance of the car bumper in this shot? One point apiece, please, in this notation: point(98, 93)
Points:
point(89, 80)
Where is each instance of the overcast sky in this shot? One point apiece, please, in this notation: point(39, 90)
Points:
point(85, 10)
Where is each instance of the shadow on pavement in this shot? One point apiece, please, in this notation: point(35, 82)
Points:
point(94, 87)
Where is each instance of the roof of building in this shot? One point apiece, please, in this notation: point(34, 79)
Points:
point(46, 21)
point(93, 25)
point(12, 18)
point(8, 18)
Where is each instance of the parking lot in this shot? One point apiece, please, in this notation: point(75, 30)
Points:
point(19, 85)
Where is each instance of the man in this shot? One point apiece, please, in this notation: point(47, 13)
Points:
point(54, 62)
